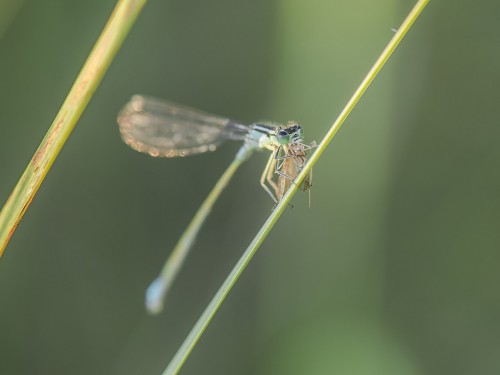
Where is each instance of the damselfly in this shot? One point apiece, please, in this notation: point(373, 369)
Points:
point(164, 129)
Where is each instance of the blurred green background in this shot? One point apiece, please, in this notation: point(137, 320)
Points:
point(394, 268)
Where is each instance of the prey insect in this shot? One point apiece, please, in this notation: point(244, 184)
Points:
point(289, 165)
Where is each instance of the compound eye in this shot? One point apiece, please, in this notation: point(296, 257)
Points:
point(299, 133)
point(283, 137)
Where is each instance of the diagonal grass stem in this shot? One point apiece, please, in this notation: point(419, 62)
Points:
point(206, 317)
point(115, 31)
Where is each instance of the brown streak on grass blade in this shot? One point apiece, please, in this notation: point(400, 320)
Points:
point(110, 40)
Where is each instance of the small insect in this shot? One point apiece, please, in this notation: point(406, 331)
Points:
point(290, 164)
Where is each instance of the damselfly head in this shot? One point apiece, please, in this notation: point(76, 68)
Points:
point(291, 133)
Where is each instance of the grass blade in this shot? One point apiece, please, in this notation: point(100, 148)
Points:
point(189, 343)
point(115, 31)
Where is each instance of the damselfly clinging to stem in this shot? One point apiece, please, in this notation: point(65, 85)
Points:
point(164, 129)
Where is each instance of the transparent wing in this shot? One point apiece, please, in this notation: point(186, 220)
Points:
point(164, 129)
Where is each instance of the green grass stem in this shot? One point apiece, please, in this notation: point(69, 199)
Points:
point(187, 346)
point(110, 40)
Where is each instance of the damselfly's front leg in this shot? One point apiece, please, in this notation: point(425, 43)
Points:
point(270, 176)
point(267, 175)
